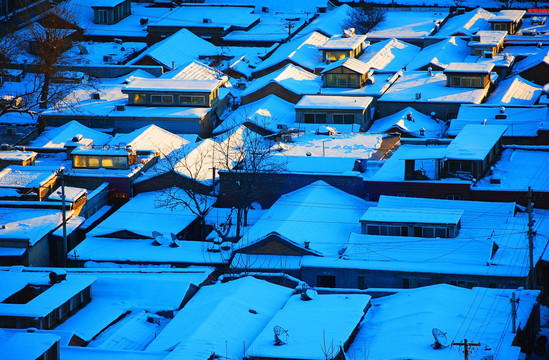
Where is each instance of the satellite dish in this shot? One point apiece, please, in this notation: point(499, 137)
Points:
point(174, 243)
point(280, 335)
point(156, 234)
point(441, 341)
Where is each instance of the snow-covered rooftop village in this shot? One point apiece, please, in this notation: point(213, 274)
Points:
point(274, 180)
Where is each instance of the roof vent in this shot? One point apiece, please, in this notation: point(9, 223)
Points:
point(540, 45)
point(460, 11)
point(430, 71)
point(502, 110)
point(144, 21)
point(409, 116)
point(418, 96)
point(265, 9)
point(77, 138)
point(207, 21)
point(57, 276)
point(370, 80)
point(120, 107)
point(95, 95)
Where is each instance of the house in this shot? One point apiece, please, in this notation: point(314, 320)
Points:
point(534, 68)
point(465, 23)
point(37, 345)
point(341, 46)
point(170, 54)
point(314, 220)
point(221, 319)
point(487, 42)
point(34, 181)
point(409, 123)
point(16, 157)
point(91, 311)
point(290, 83)
point(524, 123)
point(420, 242)
point(515, 91)
point(320, 109)
point(345, 73)
point(146, 230)
point(438, 92)
point(507, 20)
point(439, 55)
point(42, 300)
point(210, 22)
point(302, 51)
point(389, 56)
point(440, 314)
point(111, 12)
point(301, 332)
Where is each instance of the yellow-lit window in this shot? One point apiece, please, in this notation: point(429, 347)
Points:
point(93, 161)
point(107, 162)
point(139, 99)
point(79, 161)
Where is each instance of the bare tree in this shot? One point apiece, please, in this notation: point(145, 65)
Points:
point(251, 156)
point(44, 42)
point(363, 20)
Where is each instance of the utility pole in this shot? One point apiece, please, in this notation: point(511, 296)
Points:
point(466, 347)
point(532, 277)
point(514, 313)
point(289, 25)
point(63, 260)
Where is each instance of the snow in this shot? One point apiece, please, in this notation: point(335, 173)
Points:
point(478, 68)
point(151, 138)
point(411, 216)
point(18, 118)
point(329, 23)
point(389, 55)
point(281, 6)
point(219, 319)
point(173, 85)
point(474, 142)
point(170, 51)
point(466, 24)
point(17, 176)
point(341, 42)
point(195, 70)
point(333, 102)
point(517, 170)
point(515, 91)
point(302, 50)
point(17, 155)
point(349, 63)
point(318, 213)
point(405, 25)
point(326, 322)
point(57, 137)
point(26, 345)
point(71, 193)
point(431, 128)
point(290, 77)
point(399, 326)
point(440, 54)
point(432, 89)
point(95, 52)
point(272, 27)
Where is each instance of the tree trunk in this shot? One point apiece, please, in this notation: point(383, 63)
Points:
point(45, 91)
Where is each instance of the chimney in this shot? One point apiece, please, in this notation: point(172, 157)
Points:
point(307, 243)
point(430, 71)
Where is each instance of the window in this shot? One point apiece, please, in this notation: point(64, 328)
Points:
point(198, 100)
point(184, 99)
point(460, 166)
point(327, 281)
point(79, 161)
point(335, 55)
point(472, 284)
point(405, 283)
point(167, 99)
point(139, 99)
point(441, 232)
point(373, 230)
point(102, 16)
point(453, 197)
point(156, 99)
point(93, 161)
point(362, 282)
point(310, 118)
point(343, 118)
point(428, 232)
point(106, 162)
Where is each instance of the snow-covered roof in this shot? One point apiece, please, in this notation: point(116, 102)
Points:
point(220, 318)
point(389, 55)
point(178, 49)
point(283, 6)
point(516, 170)
point(329, 23)
point(405, 25)
point(440, 54)
point(515, 91)
point(195, 70)
point(431, 127)
point(413, 216)
point(16, 176)
point(18, 118)
point(349, 63)
point(45, 302)
point(334, 102)
point(520, 120)
point(318, 213)
point(173, 85)
point(107, 3)
point(192, 15)
point(483, 38)
point(400, 325)
point(464, 67)
point(466, 24)
point(508, 15)
point(474, 142)
point(431, 89)
point(151, 138)
point(26, 345)
point(341, 42)
point(30, 224)
point(531, 61)
point(16, 155)
point(302, 50)
point(267, 113)
point(327, 319)
point(289, 77)
point(56, 137)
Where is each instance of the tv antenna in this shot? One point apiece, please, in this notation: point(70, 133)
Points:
point(280, 335)
point(441, 341)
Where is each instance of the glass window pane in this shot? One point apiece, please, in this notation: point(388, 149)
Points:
point(348, 119)
point(338, 119)
point(353, 80)
point(373, 230)
point(428, 232)
point(139, 99)
point(106, 162)
point(93, 161)
point(167, 99)
point(156, 99)
point(198, 100)
point(309, 118)
point(321, 118)
point(440, 232)
point(331, 80)
point(79, 161)
point(120, 162)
